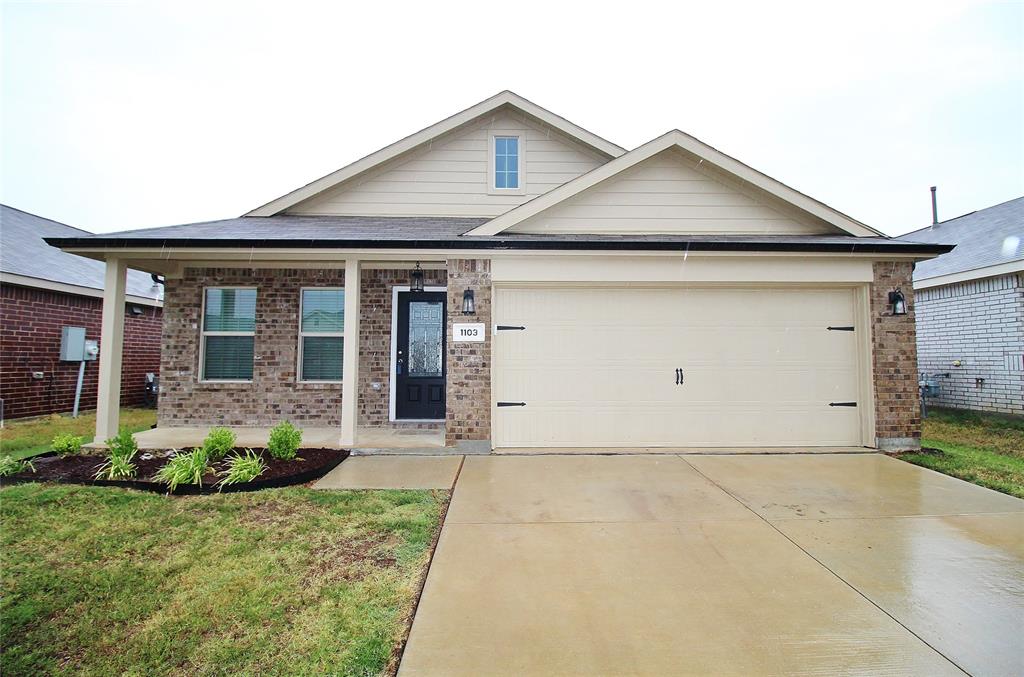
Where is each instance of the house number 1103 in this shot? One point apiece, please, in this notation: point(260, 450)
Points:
point(468, 331)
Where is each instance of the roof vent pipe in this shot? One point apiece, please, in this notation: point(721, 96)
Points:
point(935, 208)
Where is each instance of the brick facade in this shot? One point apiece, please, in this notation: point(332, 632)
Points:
point(274, 394)
point(469, 364)
point(30, 329)
point(979, 324)
point(375, 343)
point(897, 401)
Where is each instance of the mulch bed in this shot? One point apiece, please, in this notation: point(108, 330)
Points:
point(310, 464)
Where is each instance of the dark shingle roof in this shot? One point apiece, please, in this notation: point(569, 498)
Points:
point(24, 252)
point(444, 232)
point(983, 238)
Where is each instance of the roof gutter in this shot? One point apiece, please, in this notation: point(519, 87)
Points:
point(890, 247)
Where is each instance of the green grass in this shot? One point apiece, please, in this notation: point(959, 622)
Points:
point(100, 581)
point(986, 449)
point(22, 438)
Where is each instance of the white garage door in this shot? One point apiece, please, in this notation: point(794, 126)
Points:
point(636, 367)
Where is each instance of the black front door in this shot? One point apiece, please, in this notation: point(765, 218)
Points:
point(419, 355)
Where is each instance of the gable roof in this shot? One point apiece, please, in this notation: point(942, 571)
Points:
point(985, 244)
point(500, 100)
point(27, 260)
point(687, 143)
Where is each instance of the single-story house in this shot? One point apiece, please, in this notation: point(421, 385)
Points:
point(42, 290)
point(970, 310)
point(520, 282)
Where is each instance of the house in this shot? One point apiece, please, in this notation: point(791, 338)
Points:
point(42, 289)
point(517, 281)
point(970, 310)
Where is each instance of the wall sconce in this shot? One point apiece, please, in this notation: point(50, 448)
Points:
point(898, 302)
point(416, 284)
point(468, 304)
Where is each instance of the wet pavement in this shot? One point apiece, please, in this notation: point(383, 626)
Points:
point(752, 565)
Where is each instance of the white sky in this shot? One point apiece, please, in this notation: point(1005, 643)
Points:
point(136, 114)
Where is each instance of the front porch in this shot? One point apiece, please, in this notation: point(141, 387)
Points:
point(257, 348)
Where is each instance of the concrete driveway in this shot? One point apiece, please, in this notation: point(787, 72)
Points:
point(725, 565)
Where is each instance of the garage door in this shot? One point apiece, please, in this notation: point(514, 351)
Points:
point(636, 367)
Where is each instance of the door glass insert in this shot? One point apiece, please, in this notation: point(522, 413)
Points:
point(426, 329)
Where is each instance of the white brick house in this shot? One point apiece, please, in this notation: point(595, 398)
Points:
point(970, 310)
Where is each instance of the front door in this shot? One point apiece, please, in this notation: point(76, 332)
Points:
point(419, 355)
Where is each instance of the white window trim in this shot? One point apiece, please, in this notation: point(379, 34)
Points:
point(203, 334)
point(521, 135)
point(324, 334)
point(394, 356)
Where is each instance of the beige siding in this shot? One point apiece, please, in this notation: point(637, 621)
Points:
point(671, 193)
point(450, 176)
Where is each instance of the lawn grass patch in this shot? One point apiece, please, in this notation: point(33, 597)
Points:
point(284, 581)
point(22, 438)
point(986, 449)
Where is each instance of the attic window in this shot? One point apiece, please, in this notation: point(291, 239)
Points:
point(506, 160)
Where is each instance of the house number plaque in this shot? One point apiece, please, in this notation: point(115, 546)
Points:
point(468, 331)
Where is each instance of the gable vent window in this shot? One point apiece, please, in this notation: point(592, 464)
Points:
point(506, 162)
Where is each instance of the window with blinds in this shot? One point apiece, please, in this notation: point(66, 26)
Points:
point(321, 334)
point(229, 333)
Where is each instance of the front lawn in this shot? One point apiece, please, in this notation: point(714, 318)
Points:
point(986, 449)
point(21, 438)
point(287, 581)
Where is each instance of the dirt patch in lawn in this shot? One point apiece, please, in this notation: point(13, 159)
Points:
point(309, 464)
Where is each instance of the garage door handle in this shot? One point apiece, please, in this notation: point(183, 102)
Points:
point(680, 377)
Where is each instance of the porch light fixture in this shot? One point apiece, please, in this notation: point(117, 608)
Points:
point(898, 302)
point(416, 284)
point(468, 304)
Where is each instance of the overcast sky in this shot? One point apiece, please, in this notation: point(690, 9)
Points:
point(136, 114)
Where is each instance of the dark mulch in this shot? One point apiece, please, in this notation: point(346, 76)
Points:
point(310, 464)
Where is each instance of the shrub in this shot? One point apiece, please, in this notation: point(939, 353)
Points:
point(218, 443)
point(66, 444)
point(243, 468)
point(184, 469)
point(284, 441)
point(121, 450)
point(9, 466)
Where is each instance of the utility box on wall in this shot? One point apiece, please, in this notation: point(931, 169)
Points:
point(75, 348)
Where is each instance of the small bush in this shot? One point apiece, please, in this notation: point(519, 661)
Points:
point(9, 466)
point(121, 450)
point(218, 443)
point(184, 469)
point(284, 441)
point(243, 468)
point(67, 444)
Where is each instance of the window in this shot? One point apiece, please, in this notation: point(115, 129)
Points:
point(321, 334)
point(229, 334)
point(506, 162)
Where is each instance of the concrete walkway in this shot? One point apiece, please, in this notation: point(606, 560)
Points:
point(393, 472)
point(720, 565)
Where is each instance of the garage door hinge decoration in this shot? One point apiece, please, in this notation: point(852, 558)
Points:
point(511, 404)
point(840, 328)
point(506, 327)
point(842, 404)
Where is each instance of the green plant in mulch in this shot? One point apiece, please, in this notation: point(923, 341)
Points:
point(186, 468)
point(242, 468)
point(218, 442)
point(67, 444)
point(284, 441)
point(121, 452)
point(11, 466)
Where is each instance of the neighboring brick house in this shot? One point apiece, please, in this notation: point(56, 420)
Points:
point(42, 289)
point(970, 310)
point(516, 281)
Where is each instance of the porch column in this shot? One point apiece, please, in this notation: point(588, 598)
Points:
point(108, 402)
point(350, 368)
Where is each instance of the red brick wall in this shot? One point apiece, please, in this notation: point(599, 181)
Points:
point(30, 326)
point(894, 344)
